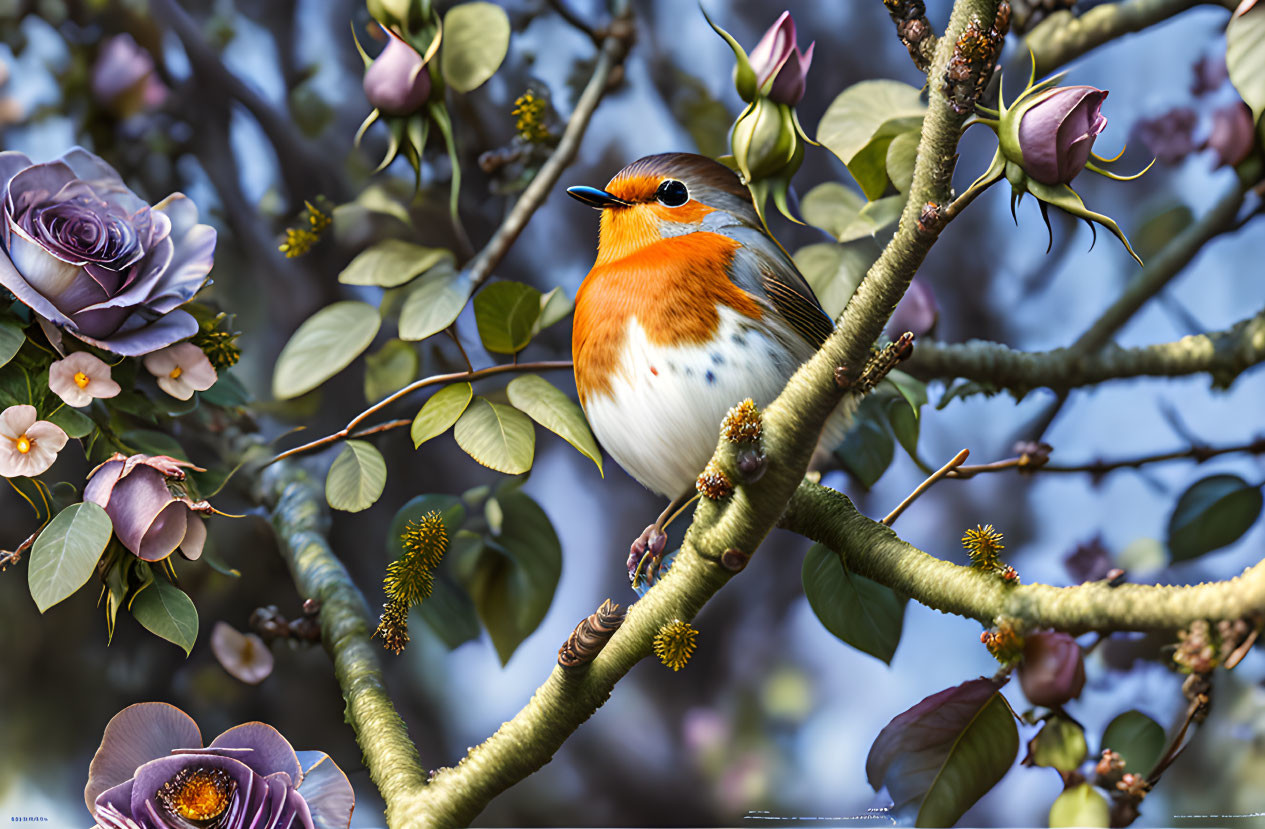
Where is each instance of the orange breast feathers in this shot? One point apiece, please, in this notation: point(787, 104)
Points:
point(674, 288)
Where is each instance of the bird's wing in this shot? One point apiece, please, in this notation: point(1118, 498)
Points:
point(762, 268)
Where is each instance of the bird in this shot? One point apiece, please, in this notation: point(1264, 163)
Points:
point(690, 307)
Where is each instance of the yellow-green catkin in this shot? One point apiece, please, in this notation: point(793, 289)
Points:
point(674, 643)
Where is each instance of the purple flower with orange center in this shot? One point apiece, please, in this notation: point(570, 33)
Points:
point(152, 771)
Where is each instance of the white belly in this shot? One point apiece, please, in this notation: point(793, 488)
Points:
point(661, 420)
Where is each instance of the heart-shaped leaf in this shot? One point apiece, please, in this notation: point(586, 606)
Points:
point(552, 409)
point(1080, 806)
point(1060, 744)
point(356, 478)
point(498, 436)
point(324, 345)
point(389, 369)
point(476, 38)
point(167, 612)
point(392, 263)
point(506, 314)
point(66, 553)
point(11, 338)
point(861, 612)
point(1212, 513)
point(440, 412)
point(433, 303)
point(860, 124)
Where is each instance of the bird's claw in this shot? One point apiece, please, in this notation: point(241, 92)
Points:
point(645, 554)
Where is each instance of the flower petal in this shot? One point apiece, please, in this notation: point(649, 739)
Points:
point(47, 436)
point(11, 278)
point(135, 341)
point(327, 791)
point(139, 503)
point(164, 535)
point(101, 482)
point(151, 777)
point(43, 271)
point(136, 735)
point(15, 420)
point(194, 538)
point(272, 752)
point(104, 179)
point(243, 655)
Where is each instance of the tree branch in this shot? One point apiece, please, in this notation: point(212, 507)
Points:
point(1063, 37)
point(300, 518)
point(875, 551)
point(1223, 354)
point(615, 48)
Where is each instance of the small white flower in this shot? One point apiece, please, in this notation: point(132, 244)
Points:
point(181, 370)
point(28, 446)
point(81, 377)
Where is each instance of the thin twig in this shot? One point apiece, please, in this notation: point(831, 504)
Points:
point(957, 461)
point(469, 376)
point(614, 50)
point(564, 11)
point(381, 427)
point(1236, 656)
point(1199, 453)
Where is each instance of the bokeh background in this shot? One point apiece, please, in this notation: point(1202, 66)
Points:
point(774, 716)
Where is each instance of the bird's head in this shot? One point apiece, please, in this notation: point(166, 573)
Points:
point(666, 195)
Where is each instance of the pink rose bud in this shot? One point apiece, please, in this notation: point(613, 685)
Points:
point(123, 78)
point(777, 56)
point(1057, 131)
point(1052, 671)
point(1233, 135)
point(1170, 137)
point(916, 312)
point(397, 82)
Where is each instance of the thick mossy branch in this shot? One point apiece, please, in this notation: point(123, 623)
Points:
point(300, 518)
point(1063, 36)
point(875, 551)
point(1223, 354)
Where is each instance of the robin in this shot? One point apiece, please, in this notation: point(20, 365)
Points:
point(690, 308)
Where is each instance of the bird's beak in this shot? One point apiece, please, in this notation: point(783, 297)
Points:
point(594, 197)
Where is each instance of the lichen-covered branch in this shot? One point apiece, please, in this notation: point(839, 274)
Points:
point(300, 518)
point(1063, 36)
point(1222, 354)
point(875, 551)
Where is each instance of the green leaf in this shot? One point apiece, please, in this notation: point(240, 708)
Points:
point(1245, 57)
point(901, 154)
point(11, 339)
point(499, 437)
point(1212, 513)
point(1080, 806)
point(554, 307)
point(831, 206)
point(861, 122)
point(151, 442)
point(506, 314)
point(476, 38)
point(549, 407)
point(433, 303)
point(167, 612)
point(1060, 744)
point(905, 397)
point(389, 369)
point(356, 478)
point(66, 553)
point(945, 752)
point(228, 392)
point(868, 449)
point(450, 613)
point(860, 612)
point(874, 217)
point(513, 582)
point(324, 345)
point(392, 263)
point(73, 422)
point(1138, 740)
point(834, 271)
point(440, 412)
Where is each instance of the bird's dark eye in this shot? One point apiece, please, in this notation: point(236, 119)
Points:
point(672, 193)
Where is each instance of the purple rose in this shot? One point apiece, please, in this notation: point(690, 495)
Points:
point(777, 55)
point(397, 82)
point(144, 496)
point(88, 255)
point(1052, 671)
point(1233, 134)
point(1057, 131)
point(151, 771)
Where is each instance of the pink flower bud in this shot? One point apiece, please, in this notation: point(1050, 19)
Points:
point(778, 55)
point(1052, 671)
point(1233, 135)
point(397, 82)
point(1057, 131)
